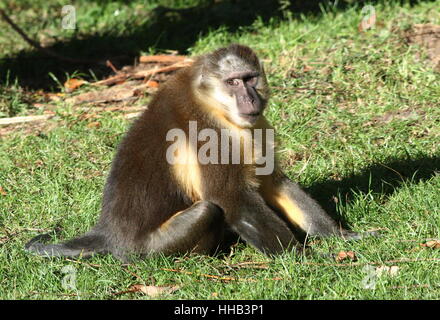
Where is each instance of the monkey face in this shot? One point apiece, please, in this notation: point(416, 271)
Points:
point(236, 85)
point(248, 104)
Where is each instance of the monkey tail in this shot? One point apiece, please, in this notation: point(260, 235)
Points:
point(85, 246)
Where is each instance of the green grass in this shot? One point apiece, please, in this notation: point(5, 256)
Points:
point(344, 141)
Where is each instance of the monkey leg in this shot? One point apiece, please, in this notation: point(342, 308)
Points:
point(197, 229)
point(303, 211)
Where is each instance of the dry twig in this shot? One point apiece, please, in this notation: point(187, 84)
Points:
point(15, 120)
point(163, 59)
point(141, 74)
point(38, 46)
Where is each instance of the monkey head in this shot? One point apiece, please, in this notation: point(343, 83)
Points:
point(232, 81)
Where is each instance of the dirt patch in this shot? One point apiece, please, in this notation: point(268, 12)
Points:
point(427, 36)
point(408, 114)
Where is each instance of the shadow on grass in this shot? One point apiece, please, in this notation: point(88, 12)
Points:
point(377, 178)
point(167, 28)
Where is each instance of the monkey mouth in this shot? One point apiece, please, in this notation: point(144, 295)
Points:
point(250, 116)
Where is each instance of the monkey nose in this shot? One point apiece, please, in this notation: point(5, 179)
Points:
point(247, 99)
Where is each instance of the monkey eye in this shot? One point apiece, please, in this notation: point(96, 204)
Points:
point(233, 82)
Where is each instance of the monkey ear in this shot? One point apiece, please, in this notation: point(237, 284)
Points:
point(199, 79)
point(203, 78)
point(262, 72)
point(263, 85)
point(262, 68)
point(202, 81)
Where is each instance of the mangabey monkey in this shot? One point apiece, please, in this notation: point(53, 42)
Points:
point(153, 206)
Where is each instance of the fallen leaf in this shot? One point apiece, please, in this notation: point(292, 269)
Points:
point(307, 68)
point(39, 163)
point(153, 84)
point(433, 244)
point(72, 84)
point(214, 294)
point(153, 291)
point(3, 192)
point(95, 124)
point(55, 96)
point(346, 255)
point(387, 271)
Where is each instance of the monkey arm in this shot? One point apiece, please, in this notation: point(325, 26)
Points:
point(297, 206)
point(252, 219)
point(301, 210)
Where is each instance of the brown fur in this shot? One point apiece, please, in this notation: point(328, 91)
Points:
point(151, 206)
